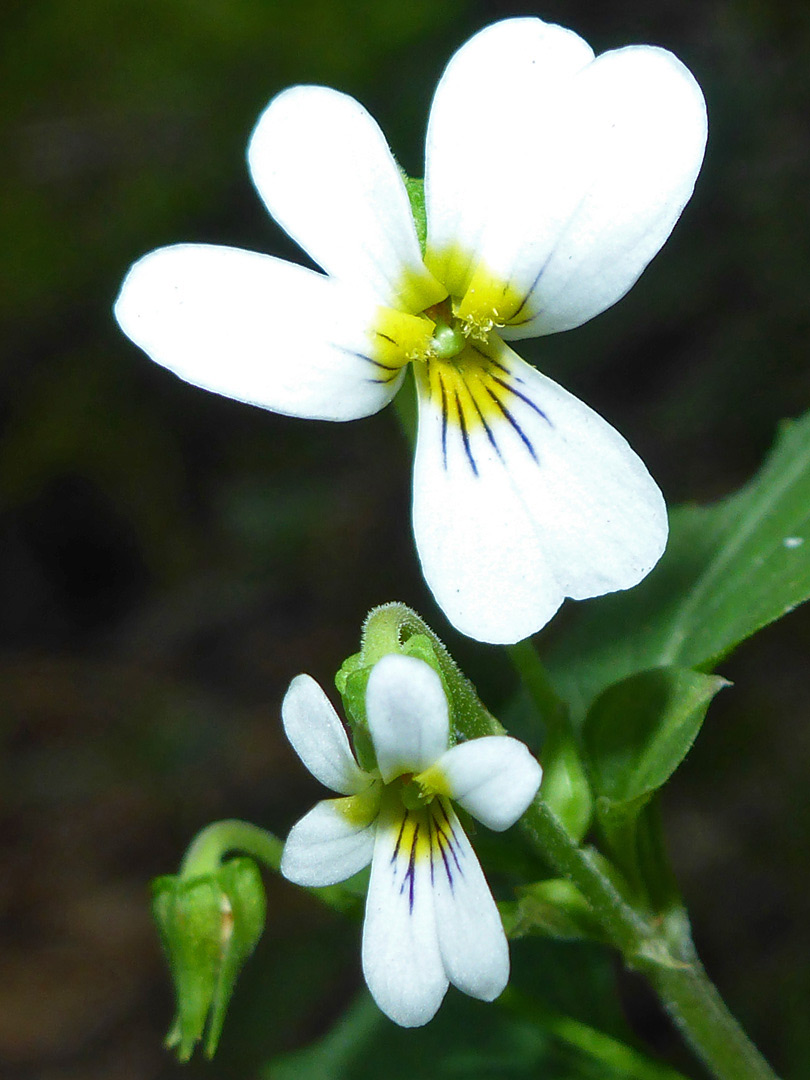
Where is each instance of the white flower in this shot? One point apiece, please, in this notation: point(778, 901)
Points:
point(430, 918)
point(551, 180)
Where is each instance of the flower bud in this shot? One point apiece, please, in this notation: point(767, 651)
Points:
point(209, 925)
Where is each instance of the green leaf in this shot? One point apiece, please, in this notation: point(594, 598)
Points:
point(729, 570)
point(639, 731)
point(635, 735)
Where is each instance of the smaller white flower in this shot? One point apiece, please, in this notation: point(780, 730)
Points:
point(430, 917)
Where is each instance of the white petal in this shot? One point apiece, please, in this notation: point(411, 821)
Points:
point(471, 938)
point(332, 842)
point(493, 778)
point(544, 503)
point(598, 161)
point(401, 959)
point(319, 738)
point(257, 329)
point(407, 715)
point(486, 136)
point(324, 169)
point(640, 124)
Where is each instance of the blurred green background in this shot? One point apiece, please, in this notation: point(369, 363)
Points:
point(170, 559)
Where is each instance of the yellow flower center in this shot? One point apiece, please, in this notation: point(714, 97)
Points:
point(453, 344)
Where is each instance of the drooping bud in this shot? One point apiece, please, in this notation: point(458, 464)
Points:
point(209, 925)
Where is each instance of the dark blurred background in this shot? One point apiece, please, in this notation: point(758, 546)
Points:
point(170, 559)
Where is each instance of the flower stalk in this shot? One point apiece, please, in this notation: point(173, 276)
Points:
point(209, 847)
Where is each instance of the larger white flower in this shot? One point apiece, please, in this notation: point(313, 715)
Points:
point(551, 180)
point(430, 917)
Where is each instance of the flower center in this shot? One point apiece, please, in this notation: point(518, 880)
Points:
point(449, 335)
point(443, 331)
point(412, 793)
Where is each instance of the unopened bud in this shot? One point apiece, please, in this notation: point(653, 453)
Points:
point(209, 925)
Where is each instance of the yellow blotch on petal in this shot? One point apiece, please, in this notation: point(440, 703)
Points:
point(417, 290)
point(413, 835)
point(472, 391)
point(452, 266)
point(481, 300)
point(488, 302)
point(360, 810)
point(397, 338)
point(433, 782)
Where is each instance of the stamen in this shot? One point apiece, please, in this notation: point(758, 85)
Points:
point(478, 327)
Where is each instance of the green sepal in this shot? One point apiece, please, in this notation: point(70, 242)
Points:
point(394, 628)
point(390, 627)
point(209, 925)
point(553, 908)
point(351, 682)
point(416, 197)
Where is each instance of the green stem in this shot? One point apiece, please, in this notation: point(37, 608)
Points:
point(551, 708)
point(675, 972)
point(680, 980)
point(210, 846)
point(703, 1019)
point(565, 784)
point(625, 927)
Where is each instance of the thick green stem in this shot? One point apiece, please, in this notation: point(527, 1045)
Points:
point(705, 1023)
point(662, 950)
point(675, 972)
point(626, 928)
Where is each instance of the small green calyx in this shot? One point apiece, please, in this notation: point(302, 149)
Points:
point(392, 628)
point(395, 628)
point(209, 925)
